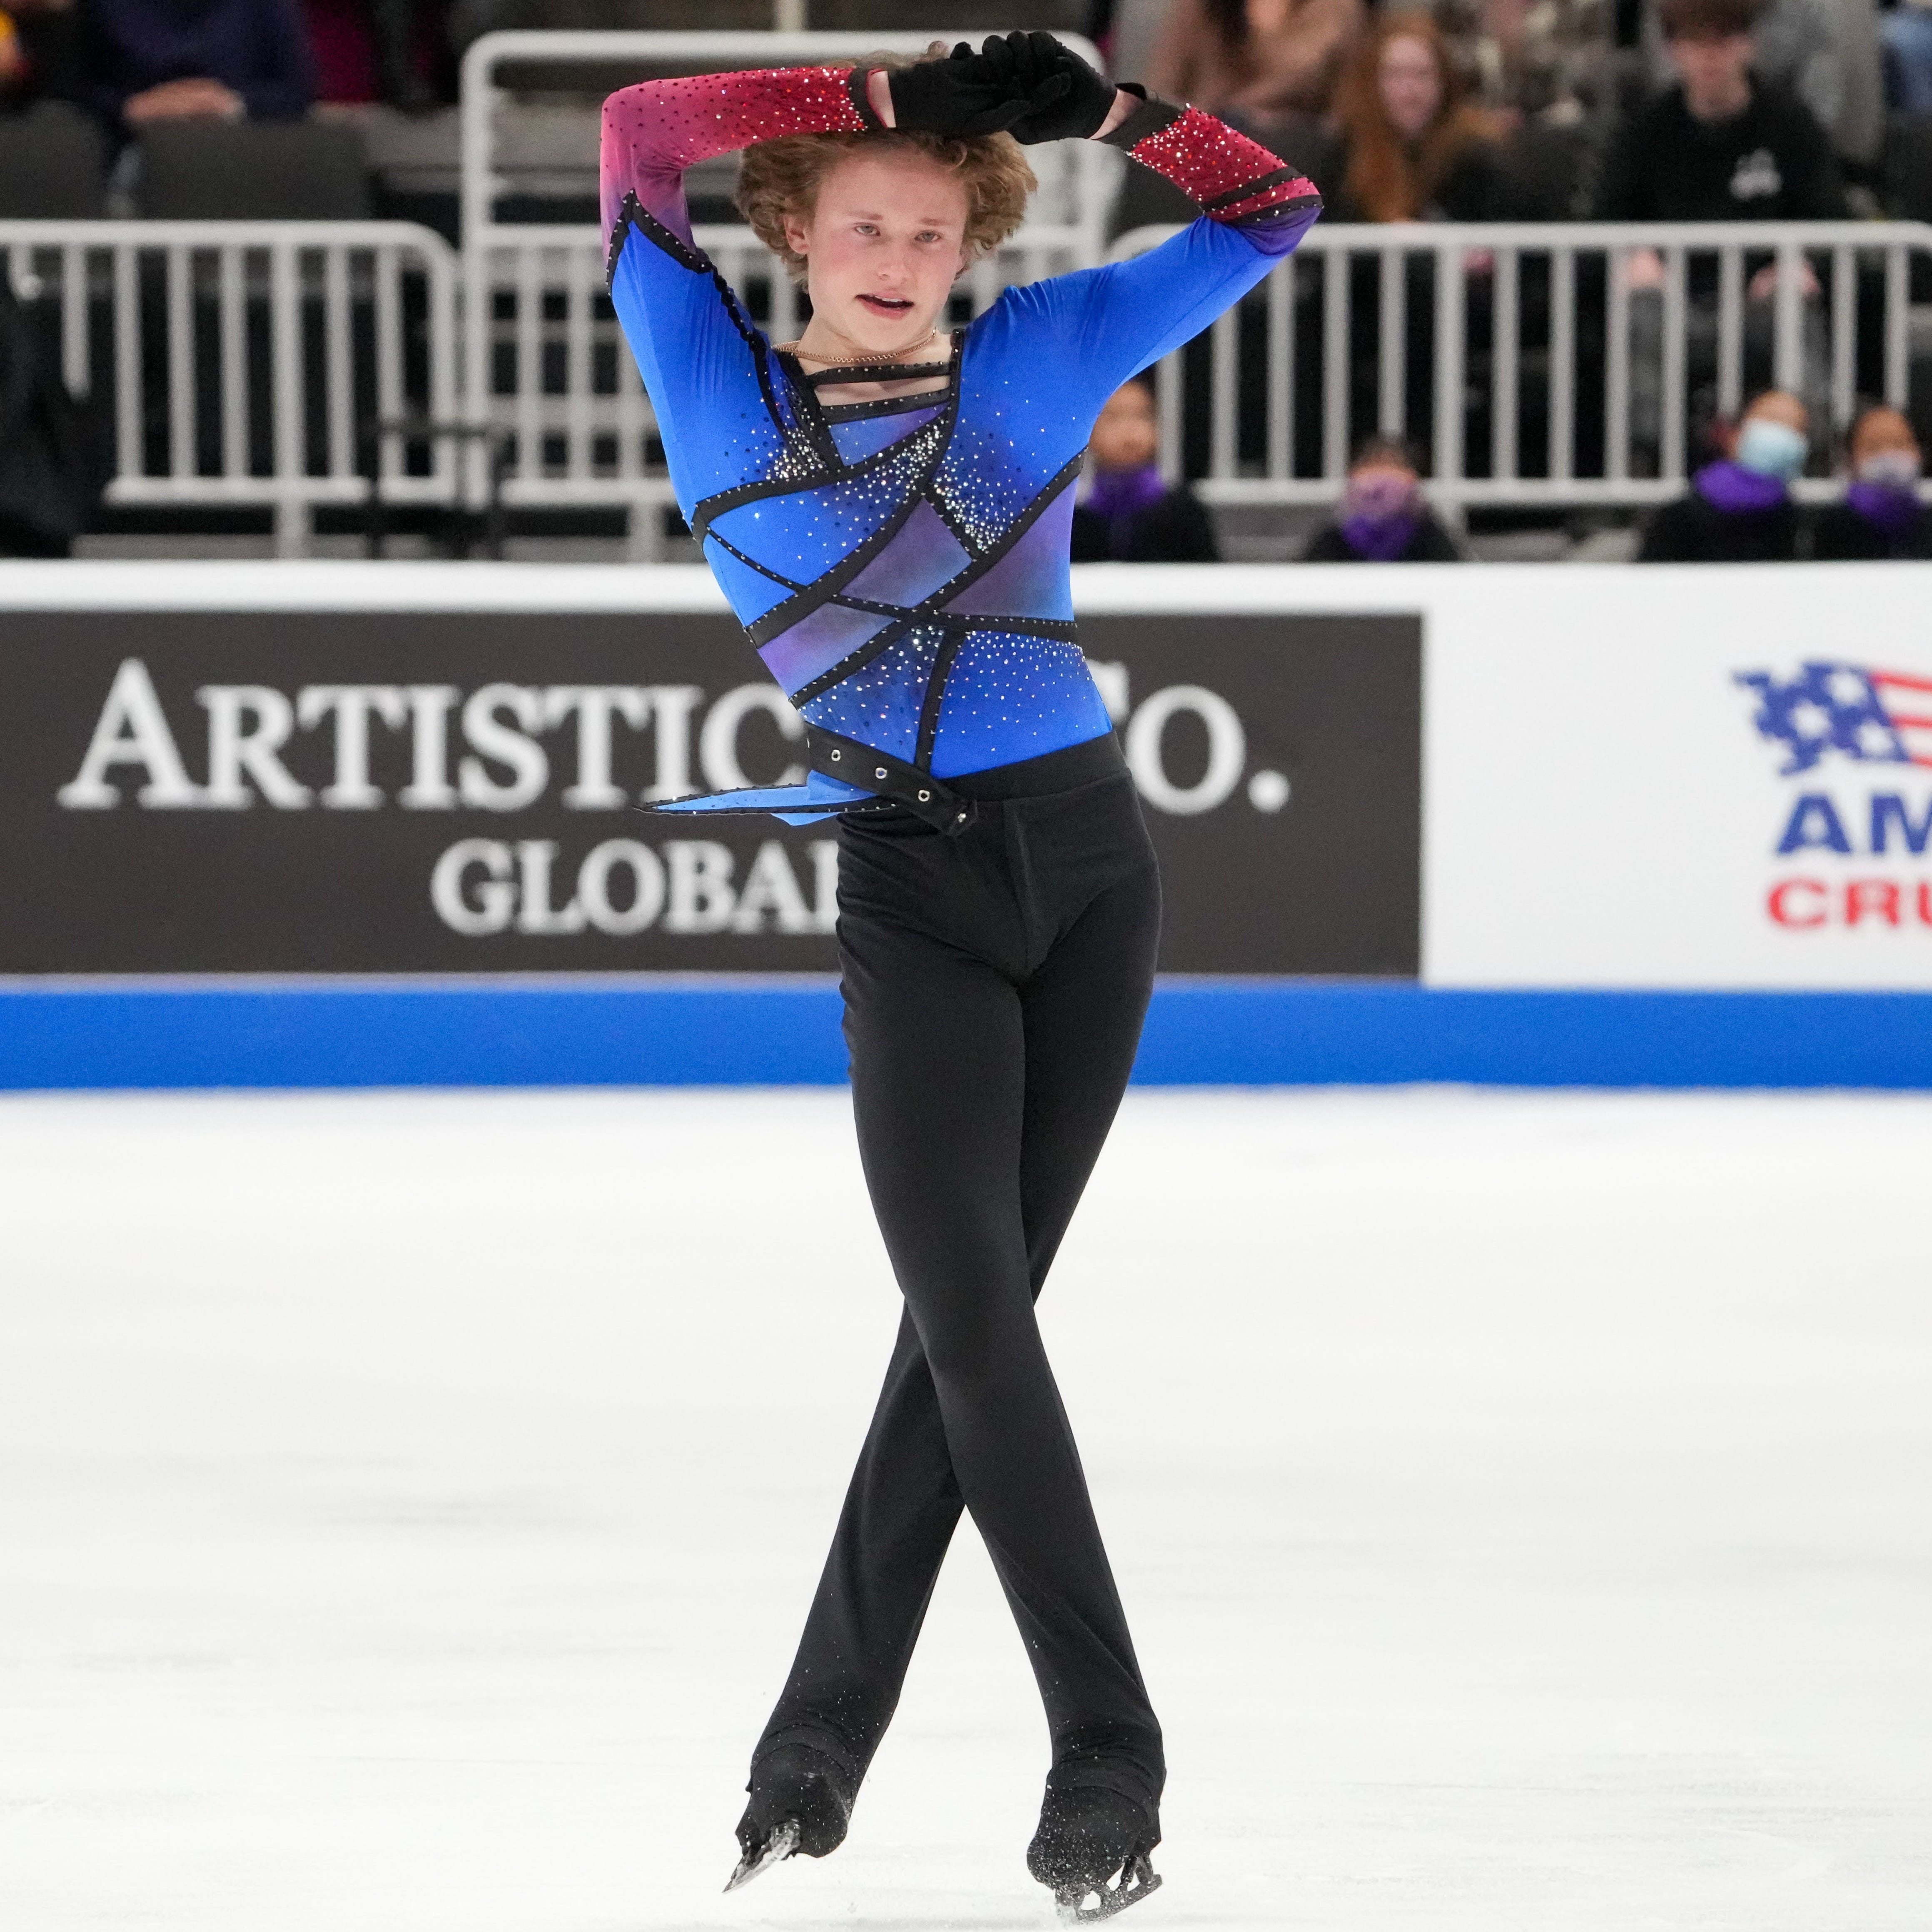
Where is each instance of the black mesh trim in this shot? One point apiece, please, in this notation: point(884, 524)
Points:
point(753, 493)
point(949, 648)
point(821, 589)
point(1257, 186)
point(931, 607)
point(1058, 630)
point(877, 645)
point(855, 92)
point(1149, 118)
point(751, 563)
point(871, 372)
point(886, 406)
point(1255, 217)
point(635, 214)
point(1049, 494)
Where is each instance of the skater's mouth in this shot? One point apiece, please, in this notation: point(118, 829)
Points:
point(894, 305)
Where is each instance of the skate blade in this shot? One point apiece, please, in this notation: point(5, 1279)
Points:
point(780, 1845)
point(1137, 1879)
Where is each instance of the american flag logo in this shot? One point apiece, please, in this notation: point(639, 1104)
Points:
point(1876, 717)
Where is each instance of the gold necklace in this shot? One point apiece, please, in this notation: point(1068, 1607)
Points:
point(881, 356)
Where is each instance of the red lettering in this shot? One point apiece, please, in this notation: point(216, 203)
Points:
point(1925, 902)
point(1877, 897)
point(1780, 902)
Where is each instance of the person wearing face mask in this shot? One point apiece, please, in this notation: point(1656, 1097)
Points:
point(1127, 513)
point(1881, 516)
point(1739, 510)
point(1383, 517)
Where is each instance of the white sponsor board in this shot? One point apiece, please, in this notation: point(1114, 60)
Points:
point(1651, 776)
point(1682, 777)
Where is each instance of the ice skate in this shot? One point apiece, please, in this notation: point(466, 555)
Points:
point(801, 1801)
point(1094, 1847)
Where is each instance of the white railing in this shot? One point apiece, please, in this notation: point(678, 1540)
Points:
point(545, 364)
point(250, 364)
point(244, 364)
point(1547, 364)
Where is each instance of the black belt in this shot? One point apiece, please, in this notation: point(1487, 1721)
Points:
point(875, 771)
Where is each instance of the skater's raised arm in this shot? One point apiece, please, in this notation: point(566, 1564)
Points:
point(654, 131)
point(1101, 325)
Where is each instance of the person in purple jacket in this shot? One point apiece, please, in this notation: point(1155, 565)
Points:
point(1739, 509)
point(887, 502)
point(144, 60)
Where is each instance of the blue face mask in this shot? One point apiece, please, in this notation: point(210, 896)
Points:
point(1767, 448)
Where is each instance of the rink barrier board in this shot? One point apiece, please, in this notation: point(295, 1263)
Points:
point(764, 1030)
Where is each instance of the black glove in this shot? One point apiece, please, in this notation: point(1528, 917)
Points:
point(1028, 84)
point(1066, 100)
point(962, 95)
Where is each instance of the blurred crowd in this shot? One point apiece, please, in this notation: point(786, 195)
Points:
point(1737, 509)
point(1459, 111)
point(132, 63)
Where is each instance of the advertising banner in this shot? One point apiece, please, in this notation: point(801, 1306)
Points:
point(436, 791)
point(1710, 778)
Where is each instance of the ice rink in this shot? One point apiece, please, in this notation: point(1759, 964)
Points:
point(1524, 1504)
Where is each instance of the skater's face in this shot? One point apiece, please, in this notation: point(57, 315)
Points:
point(1127, 435)
point(1410, 84)
point(883, 247)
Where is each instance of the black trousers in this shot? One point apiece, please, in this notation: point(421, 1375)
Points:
point(994, 985)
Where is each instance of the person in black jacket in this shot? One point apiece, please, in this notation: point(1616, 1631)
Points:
point(1382, 517)
point(1881, 516)
point(1723, 144)
point(1127, 512)
point(1739, 510)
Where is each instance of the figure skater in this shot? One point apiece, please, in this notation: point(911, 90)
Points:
point(887, 502)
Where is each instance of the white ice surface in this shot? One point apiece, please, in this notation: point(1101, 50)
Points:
point(408, 1504)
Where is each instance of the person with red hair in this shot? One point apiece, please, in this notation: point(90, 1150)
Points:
point(1409, 146)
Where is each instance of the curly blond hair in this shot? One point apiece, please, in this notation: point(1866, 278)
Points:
point(782, 178)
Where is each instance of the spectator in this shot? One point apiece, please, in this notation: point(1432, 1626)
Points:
point(1739, 510)
point(1881, 515)
point(1253, 61)
point(1825, 52)
point(37, 43)
point(1409, 147)
point(1723, 144)
point(144, 60)
point(1552, 61)
point(1128, 514)
point(1382, 517)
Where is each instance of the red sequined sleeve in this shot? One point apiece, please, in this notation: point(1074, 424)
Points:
point(654, 131)
point(1237, 182)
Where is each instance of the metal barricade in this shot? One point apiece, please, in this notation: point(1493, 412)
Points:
point(240, 363)
point(1537, 365)
point(544, 359)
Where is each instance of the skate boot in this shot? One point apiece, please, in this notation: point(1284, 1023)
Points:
point(801, 1801)
point(1097, 1833)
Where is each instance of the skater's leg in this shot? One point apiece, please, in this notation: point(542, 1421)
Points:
point(932, 1048)
point(939, 1086)
point(899, 1514)
point(1080, 1017)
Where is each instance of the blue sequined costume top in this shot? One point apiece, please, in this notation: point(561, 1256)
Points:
point(902, 566)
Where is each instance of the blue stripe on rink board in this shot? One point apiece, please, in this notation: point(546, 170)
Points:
point(785, 1031)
